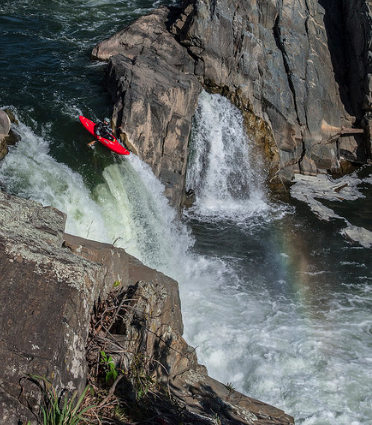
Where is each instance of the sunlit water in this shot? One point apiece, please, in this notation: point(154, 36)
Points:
point(276, 301)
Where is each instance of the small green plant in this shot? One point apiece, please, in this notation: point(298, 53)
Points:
point(111, 371)
point(140, 377)
point(116, 283)
point(61, 409)
point(230, 387)
point(217, 419)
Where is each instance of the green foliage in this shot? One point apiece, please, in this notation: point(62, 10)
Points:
point(138, 374)
point(111, 371)
point(217, 419)
point(116, 283)
point(61, 409)
point(230, 387)
point(141, 379)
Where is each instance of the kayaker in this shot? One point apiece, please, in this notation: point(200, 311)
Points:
point(102, 129)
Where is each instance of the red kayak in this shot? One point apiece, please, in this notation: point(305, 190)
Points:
point(113, 144)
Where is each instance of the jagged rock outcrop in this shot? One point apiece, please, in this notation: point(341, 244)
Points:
point(299, 71)
point(7, 135)
point(153, 324)
point(273, 58)
point(286, 63)
point(49, 284)
point(150, 78)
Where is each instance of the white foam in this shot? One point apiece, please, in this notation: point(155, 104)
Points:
point(138, 217)
point(223, 170)
point(359, 234)
point(30, 172)
point(311, 188)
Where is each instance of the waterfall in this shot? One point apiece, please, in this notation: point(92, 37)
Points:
point(275, 301)
point(138, 216)
point(126, 208)
point(223, 169)
point(29, 171)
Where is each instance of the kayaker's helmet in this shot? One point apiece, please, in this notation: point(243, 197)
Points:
point(106, 121)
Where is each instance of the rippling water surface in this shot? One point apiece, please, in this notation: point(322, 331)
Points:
point(276, 301)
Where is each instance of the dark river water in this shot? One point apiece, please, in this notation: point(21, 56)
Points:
point(277, 301)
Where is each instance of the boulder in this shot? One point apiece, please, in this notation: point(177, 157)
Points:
point(4, 124)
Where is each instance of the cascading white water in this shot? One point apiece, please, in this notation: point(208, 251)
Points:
point(127, 209)
point(138, 216)
point(223, 169)
point(30, 172)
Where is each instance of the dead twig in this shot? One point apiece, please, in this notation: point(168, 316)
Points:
point(111, 390)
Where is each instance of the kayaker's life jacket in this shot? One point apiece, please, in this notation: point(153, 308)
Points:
point(103, 130)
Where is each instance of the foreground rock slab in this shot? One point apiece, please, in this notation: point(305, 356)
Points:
point(203, 396)
point(47, 294)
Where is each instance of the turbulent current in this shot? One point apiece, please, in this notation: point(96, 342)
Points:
point(277, 301)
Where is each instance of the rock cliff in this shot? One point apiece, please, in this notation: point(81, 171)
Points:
point(52, 282)
point(299, 71)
